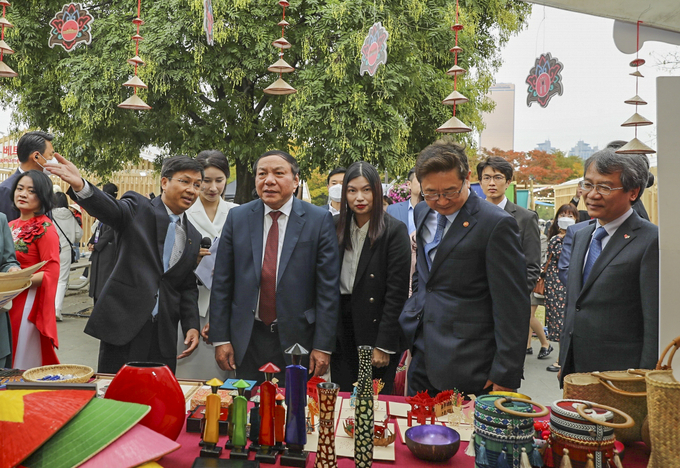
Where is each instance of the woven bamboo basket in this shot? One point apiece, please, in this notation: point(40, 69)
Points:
point(663, 395)
point(81, 373)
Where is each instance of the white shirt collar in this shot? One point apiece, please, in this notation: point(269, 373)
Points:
point(354, 227)
point(285, 209)
point(503, 202)
point(170, 212)
point(612, 226)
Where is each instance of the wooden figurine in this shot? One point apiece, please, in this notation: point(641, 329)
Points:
point(211, 422)
point(255, 425)
point(279, 423)
point(296, 399)
point(239, 412)
point(266, 453)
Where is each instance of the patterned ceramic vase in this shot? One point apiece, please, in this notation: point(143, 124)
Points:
point(363, 432)
point(325, 453)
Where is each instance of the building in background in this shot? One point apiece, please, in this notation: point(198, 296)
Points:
point(546, 147)
point(499, 125)
point(582, 150)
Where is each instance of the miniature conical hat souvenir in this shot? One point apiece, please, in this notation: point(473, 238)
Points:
point(6, 72)
point(5, 3)
point(283, 23)
point(637, 62)
point(135, 82)
point(455, 49)
point(636, 121)
point(453, 125)
point(281, 66)
point(456, 70)
point(136, 60)
point(636, 100)
point(279, 87)
point(454, 98)
point(636, 73)
point(28, 418)
point(5, 48)
point(5, 23)
point(635, 146)
point(135, 103)
point(282, 43)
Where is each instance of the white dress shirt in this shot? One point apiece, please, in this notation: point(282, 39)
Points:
point(611, 227)
point(431, 229)
point(350, 260)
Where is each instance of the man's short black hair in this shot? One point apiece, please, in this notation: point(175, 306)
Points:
point(337, 170)
point(110, 189)
point(180, 163)
point(411, 174)
point(31, 142)
point(497, 163)
point(43, 188)
point(294, 166)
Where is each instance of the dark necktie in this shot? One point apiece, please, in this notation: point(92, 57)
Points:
point(268, 279)
point(441, 224)
point(594, 252)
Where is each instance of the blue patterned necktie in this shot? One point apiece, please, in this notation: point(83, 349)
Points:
point(167, 251)
point(441, 224)
point(594, 252)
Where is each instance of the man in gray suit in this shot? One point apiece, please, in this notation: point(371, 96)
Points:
point(466, 322)
point(612, 316)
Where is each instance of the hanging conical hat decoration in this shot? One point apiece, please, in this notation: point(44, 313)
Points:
point(635, 146)
point(100, 423)
point(280, 87)
point(134, 102)
point(135, 82)
point(454, 125)
point(28, 418)
point(5, 70)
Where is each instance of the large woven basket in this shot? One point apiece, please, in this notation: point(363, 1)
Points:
point(81, 373)
point(663, 395)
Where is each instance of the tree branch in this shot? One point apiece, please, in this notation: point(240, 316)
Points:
point(206, 100)
point(196, 118)
point(261, 104)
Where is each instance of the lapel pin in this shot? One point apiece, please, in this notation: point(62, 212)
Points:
point(466, 224)
point(626, 236)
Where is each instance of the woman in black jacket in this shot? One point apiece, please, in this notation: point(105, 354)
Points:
point(375, 254)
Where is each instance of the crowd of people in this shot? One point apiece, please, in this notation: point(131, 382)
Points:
point(443, 281)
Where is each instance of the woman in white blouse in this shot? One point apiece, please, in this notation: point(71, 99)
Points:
point(207, 215)
point(375, 254)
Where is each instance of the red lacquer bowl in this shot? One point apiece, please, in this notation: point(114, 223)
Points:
point(152, 384)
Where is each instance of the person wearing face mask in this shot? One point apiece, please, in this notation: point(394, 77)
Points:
point(555, 290)
point(207, 215)
point(333, 180)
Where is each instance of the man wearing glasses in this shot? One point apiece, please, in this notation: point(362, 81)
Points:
point(467, 320)
point(152, 287)
point(612, 316)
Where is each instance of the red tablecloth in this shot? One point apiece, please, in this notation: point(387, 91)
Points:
point(636, 456)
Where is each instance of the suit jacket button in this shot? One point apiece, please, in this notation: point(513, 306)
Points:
point(578, 308)
point(419, 316)
point(372, 276)
point(375, 320)
point(371, 300)
point(429, 290)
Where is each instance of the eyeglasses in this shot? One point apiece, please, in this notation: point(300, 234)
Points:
point(186, 183)
point(447, 195)
point(601, 189)
point(496, 178)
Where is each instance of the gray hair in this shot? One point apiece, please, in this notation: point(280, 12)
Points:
point(634, 168)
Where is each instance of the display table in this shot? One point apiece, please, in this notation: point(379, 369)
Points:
point(635, 456)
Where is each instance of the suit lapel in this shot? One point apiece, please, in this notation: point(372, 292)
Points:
point(510, 208)
point(419, 217)
point(162, 222)
point(293, 230)
point(464, 223)
point(364, 259)
point(256, 228)
point(579, 250)
point(623, 235)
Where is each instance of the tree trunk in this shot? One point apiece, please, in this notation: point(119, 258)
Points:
point(245, 183)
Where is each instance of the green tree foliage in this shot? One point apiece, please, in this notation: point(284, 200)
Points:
point(211, 96)
point(569, 162)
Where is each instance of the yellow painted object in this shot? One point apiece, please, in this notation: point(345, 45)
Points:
point(211, 430)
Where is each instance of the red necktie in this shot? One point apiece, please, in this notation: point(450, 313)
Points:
point(268, 278)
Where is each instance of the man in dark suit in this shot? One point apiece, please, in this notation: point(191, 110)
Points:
point(403, 211)
point(612, 316)
point(152, 286)
point(466, 322)
point(276, 278)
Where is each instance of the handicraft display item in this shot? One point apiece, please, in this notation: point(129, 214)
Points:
point(254, 435)
point(208, 21)
point(134, 102)
point(453, 125)
point(581, 430)
point(211, 422)
point(363, 432)
point(504, 431)
point(279, 423)
point(70, 27)
point(374, 49)
point(5, 71)
point(325, 452)
point(296, 399)
point(238, 415)
point(280, 87)
point(153, 384)
point(422, 408)
point(267, 438)
point(544, 80)
point(635, 146)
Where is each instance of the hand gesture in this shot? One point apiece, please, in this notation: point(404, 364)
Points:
point(68, 172)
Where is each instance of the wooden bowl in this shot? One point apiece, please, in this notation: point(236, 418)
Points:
point(81, 374)
point(432, 443)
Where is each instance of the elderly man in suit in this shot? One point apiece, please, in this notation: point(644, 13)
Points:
point(466, 321)
point(403, 211)
point(276, 279)
point(612, 316)
point(495, 176)
point(152, 287)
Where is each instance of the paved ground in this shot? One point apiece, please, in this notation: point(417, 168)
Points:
point(78, 348)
